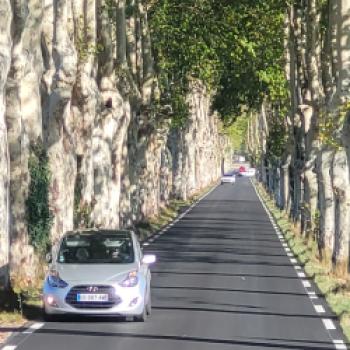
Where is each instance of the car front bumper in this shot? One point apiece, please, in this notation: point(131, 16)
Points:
point(229, 181)
point(131, 302)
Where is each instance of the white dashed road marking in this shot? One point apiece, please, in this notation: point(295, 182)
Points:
point(306, 284)
point(320, 309)
point(312, 294)
point(33, 328)
point(339, 344)
point(328, 323)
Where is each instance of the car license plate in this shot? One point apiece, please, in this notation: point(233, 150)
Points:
point(92, 297)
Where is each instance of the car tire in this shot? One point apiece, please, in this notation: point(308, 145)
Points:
point(48, 317)
point(149, 306)
point(147, 310)
point(142, 317)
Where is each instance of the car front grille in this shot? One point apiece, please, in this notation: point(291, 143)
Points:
point(113, 299)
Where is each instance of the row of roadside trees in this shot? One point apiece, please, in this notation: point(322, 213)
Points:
point(300, 141)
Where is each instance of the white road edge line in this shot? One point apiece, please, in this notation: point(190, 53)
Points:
point(328, 323)
point(306, 284)
point(9, 347)
point(37, 325)
point(320, 309)
point(339, 344)
point(340, 347)
point(312, 295)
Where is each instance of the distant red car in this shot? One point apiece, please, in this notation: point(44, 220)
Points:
point(242, 169)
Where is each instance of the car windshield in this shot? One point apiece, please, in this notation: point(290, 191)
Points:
point(96, 248)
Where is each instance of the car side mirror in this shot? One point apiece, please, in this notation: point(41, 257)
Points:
point(149, 259)
point(48, 258)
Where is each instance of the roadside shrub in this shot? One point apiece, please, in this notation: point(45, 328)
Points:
point(39, 215)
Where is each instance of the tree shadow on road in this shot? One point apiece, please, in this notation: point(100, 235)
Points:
point(263, 343)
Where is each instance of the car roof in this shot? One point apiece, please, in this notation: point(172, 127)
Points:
point(98, 231)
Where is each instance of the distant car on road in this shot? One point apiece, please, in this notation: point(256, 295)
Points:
point(228, 178)
point(242, 169)
point(250, 172)
point(98, 272)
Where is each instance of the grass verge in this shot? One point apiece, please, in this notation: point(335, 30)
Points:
point(12, 316)
point(336, 290)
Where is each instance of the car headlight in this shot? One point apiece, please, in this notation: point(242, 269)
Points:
point(54, 280)
point(131, 280)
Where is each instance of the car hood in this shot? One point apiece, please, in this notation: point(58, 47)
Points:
point(94, 273)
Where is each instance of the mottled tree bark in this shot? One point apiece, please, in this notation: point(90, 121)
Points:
point(5, 60)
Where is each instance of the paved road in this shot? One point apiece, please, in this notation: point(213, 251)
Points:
point(223, 281)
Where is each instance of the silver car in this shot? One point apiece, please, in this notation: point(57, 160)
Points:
point(98, 272)
point(228, 178)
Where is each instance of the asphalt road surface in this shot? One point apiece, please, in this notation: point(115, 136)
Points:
point(222, 281)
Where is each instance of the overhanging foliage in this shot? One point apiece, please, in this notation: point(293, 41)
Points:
point(234, 47)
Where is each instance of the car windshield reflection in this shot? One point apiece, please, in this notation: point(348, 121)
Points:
point(96, 248)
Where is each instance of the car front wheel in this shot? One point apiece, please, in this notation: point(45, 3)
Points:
point(147, 310)
point(142, 317)
point(48, 317)
point(149, 307)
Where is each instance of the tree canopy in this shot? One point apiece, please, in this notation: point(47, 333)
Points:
point(234, 47)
